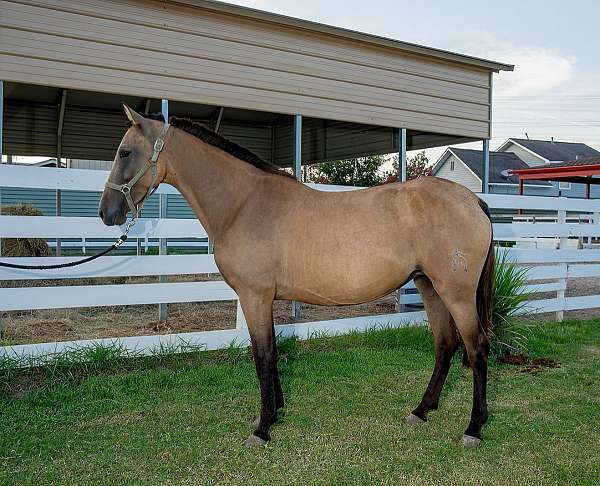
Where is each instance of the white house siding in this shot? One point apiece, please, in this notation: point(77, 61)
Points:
point(460, 174)
point(526, 156)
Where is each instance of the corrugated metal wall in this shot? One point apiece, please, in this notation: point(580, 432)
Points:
point(30, 128)
point(92, 134)
point(161, 50)
point(88, 133)
point(330, 140)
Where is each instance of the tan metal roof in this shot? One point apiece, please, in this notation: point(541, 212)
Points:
point(285, 20)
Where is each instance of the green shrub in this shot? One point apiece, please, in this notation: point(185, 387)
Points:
point(509, 303)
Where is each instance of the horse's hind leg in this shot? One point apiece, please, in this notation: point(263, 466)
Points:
point(477, 348)
point(445, 339)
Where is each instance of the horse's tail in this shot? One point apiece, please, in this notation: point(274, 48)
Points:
point(485, 288)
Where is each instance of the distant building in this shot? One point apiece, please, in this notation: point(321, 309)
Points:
point(536, 152)
point(466, 166)
point(89, 164)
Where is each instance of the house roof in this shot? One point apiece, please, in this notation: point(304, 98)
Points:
point(557, 151)
point(499, 162)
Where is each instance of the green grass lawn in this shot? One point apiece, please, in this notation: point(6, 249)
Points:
point(184, 420)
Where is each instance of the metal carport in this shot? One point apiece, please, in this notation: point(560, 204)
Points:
point(356, 92)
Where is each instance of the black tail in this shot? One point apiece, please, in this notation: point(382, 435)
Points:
point(485, 288)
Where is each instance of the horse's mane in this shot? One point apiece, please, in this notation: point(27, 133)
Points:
point(211, 137)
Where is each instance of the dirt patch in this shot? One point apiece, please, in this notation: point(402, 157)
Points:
point(544, 362)
point(527, 364)
point(514, 359)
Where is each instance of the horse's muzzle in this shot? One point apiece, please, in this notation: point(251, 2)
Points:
point(112, 212)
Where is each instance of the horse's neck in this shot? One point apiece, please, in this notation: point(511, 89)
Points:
point(215, 184)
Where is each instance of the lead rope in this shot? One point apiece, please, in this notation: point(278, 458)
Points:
point(122, 239)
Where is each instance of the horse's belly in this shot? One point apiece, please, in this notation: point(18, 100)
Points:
point(340, 281)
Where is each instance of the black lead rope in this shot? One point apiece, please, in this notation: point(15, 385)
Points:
point(114, 246)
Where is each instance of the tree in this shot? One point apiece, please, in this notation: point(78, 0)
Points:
point(363, 171)
point(417, 166)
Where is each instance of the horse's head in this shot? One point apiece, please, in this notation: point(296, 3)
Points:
point(133, 175)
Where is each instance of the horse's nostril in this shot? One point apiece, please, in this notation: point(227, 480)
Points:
point(101, 213)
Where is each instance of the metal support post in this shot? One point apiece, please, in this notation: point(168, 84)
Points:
point(59, 132)
point(162, 245)
point(402, 173)
point(402, 176)
point(298, 175)
point(485, 184)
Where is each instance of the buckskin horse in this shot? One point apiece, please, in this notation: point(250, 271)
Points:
point(276, 238)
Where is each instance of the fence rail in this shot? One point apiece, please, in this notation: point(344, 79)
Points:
point(553, 266)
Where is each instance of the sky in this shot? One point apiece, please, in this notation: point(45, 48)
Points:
point(554, 90)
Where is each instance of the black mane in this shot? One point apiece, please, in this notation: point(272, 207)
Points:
point(211, 137)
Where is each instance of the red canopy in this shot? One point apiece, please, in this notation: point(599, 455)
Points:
point(581, 171)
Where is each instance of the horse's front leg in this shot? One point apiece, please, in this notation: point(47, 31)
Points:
point(258, 310)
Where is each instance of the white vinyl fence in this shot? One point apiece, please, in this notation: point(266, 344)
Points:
point(554, 265)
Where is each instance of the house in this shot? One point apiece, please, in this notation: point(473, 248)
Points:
point(465, 166)
point(539, 152)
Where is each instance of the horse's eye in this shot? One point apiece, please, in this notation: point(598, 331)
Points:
point(124, 154)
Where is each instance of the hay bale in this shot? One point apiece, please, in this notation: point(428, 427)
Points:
point(23, 247)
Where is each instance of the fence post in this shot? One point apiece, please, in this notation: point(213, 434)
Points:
point(240, 318)
point(560, 294)
point(400, 307)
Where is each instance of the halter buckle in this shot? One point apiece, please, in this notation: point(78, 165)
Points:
point(159, 144)
point(125, 189)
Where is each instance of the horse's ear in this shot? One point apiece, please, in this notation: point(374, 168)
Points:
point(133, 116)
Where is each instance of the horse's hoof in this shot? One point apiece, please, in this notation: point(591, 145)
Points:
point(255, 441)
point(256, 422)
point(470, 442)
point(413, 419)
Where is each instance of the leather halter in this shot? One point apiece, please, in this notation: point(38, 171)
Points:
point(151, 165)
